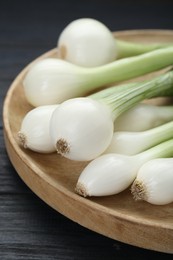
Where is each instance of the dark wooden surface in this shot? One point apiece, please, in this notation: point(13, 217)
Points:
point(29, 229)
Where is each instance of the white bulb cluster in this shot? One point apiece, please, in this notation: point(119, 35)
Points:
point(123, 139)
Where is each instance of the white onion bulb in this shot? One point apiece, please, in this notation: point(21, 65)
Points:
point(131, 143)
point(87, 42)
point(154, 182)
point(81, 128)
point(34, 131)
point(107, 175)
point(51, 81)
point(143, 117)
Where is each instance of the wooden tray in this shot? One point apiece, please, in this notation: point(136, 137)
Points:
point(53, 178)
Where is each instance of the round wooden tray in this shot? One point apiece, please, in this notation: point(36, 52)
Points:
point(53, 178)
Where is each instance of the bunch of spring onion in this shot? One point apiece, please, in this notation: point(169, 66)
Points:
point(52, 81)
point(154, 182)
point(34, 131)
point(89, 43)
point(82, 128)
point(112, 173)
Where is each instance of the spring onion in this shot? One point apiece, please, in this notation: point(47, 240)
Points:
point(143, 117)
point(154, 182)
point(34, 130)
point(112, 173)
point(52, 81)
point(131, 143)
point(82, 128)
point(89, 43)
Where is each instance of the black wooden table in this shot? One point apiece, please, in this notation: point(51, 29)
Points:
point(29, 229)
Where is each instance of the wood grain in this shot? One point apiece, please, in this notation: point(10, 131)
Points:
point(53, 178)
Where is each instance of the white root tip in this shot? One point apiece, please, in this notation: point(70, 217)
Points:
point(22, 139)
point(138, 190)
point(62, 147)
point(81, 190)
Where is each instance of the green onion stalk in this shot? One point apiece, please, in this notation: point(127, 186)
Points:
point(52, 81)
point(82, 128)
